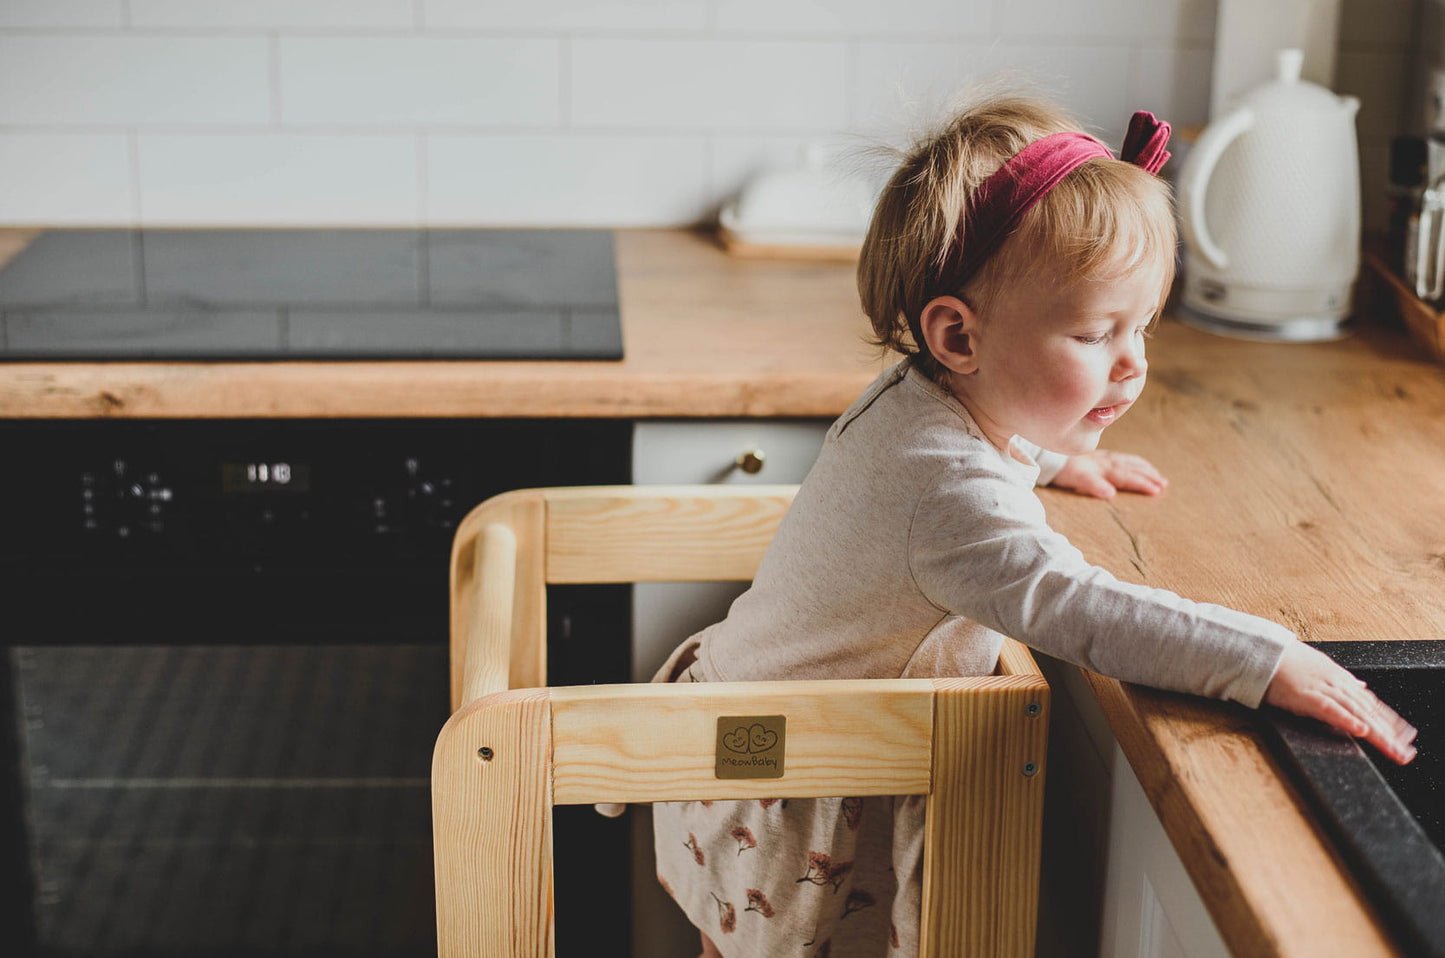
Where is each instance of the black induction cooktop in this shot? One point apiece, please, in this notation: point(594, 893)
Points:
point(315, 294)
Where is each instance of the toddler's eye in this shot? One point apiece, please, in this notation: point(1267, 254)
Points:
point(1090, 340)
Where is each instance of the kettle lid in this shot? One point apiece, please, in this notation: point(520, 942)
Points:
point(1289, 95)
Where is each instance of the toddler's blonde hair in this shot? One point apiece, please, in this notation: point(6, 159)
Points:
point(1105, 217)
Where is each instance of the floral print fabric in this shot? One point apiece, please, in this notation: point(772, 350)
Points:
point(793, 877)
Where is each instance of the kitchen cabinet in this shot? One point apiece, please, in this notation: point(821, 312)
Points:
point(1112, 883)
point(712, 451)
point(1150, 906)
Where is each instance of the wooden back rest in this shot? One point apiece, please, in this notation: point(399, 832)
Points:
point(512, 748)
point(589, 534)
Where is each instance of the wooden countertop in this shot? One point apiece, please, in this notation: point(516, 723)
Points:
point(1306, 487)
point(703, 334)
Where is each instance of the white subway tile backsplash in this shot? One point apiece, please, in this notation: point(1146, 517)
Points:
point(708, 85)
point(278, 178)
point(1374, 202)
point(121, 79)
point(1373, 23)
point(1092, 83)
point(901, 89)
point(923, 19)
point(61, 13)
point(1378, 79)
point(565, 180)
point(267, 14)
point(421, 80)
point(558, 112)
point(65, 179)
point(615, 16)
point(1173, 84)
point(1108, 19)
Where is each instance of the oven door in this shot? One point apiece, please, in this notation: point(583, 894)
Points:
point(195, 800)
point(218, 739)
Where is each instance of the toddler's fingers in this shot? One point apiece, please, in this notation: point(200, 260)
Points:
point(1370, 707)
point(1092, 483)
point(1136, 480)
point(1335, 715)
point(1385, 729)
point(1140, 465)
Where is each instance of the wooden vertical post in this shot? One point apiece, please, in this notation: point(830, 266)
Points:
point(525, 514)
point(492, 828)
point(985, 809)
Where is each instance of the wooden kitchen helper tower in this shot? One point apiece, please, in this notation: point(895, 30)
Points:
point(513, 748)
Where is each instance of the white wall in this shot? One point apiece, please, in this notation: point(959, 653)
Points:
point(538, 112)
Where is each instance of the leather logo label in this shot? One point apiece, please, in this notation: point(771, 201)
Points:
point(750, 746)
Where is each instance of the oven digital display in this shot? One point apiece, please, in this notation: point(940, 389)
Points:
point(265, 477)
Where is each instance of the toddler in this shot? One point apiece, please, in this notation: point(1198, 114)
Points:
point(1018, 265)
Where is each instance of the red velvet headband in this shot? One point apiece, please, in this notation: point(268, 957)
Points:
point(1002, 200)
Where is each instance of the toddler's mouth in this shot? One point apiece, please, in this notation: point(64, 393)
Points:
point(1103, 415)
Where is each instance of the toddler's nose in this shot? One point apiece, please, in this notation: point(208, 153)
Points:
point(1131, 363)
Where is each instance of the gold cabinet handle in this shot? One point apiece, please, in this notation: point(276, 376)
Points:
point(751, 461)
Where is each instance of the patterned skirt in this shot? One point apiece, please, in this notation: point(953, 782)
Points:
point(825, 877)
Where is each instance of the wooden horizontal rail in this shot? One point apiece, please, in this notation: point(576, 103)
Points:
point(647, 743)
point(661, 533)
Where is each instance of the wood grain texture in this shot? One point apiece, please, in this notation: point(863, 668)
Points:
point(492, 822)
point(1306, 487)
point(737, 246)
point(984, 818)
point(524, 512)
point(1014, 658)
point(705, 334)
point(641, 743)
point(487, 661)
point(661, 533)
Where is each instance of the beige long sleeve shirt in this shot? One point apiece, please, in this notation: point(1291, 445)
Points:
point(914, 546)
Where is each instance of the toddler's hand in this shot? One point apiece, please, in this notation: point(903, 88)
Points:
point(1309, 683)
point(1103, 473)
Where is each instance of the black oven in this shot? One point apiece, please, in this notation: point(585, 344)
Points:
point(224, 666)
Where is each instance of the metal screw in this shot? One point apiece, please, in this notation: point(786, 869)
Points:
point(1030, 768)
point(485, 752)
point(1032, 709)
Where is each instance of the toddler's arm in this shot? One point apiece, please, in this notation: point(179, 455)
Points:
point(1311, 684)
point(981, 548)
point(1307, 682)
point(1103, 473)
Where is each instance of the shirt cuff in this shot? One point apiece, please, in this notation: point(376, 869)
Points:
point(1050, 465)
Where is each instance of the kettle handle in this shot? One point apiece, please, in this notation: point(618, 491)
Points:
point(1195, 180)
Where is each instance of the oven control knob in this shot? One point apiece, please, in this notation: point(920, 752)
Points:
point(124, 502)
point(429, 501)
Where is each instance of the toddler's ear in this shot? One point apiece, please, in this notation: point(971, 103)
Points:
point(949, 326)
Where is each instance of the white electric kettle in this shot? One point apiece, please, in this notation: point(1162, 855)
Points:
point(1269, 209)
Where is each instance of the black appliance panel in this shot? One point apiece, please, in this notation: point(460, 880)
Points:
point(223, 668)
point(312, 294)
